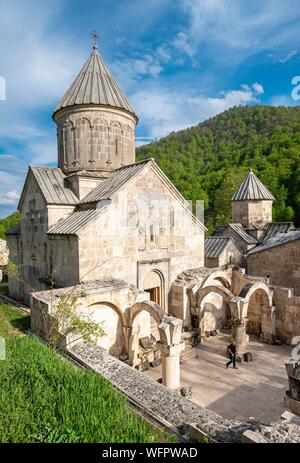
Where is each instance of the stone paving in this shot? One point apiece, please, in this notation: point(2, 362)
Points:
point(256, 389)
point(179, 412)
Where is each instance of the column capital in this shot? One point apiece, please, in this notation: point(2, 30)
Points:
point(171, 351)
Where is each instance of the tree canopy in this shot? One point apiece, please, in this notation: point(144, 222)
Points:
point(208, 161)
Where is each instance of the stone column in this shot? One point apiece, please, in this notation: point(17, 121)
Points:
point(239, 335)
point(170, 356)
point(170, 337)
point(268, 324)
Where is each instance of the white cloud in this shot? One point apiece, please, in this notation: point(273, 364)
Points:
point(10, 198)
point(183, 43)
point(288, 57)
point(164, 111)
point(245, 28)
point(258, 88)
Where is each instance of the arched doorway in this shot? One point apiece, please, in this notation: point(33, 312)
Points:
point(214, 312)
point(257, 301)
point(112, 322)
point(144, 320)
point(154, 285)
point(259, 298)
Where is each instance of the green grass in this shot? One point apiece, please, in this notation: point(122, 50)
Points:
point(13, 322)
point(3, 290)
point(44, 398)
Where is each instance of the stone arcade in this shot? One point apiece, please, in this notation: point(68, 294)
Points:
point(119, 231)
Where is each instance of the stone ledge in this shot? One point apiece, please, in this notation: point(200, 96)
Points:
point(177, 411)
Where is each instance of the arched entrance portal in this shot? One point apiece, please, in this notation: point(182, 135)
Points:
point(257, 302)
point(112, 321)
point(154, 285)
point(258, 308)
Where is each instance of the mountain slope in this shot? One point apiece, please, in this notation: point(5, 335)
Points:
point(7, 223)
point(209, 161)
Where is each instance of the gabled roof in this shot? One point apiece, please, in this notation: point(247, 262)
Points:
point(95, 85)
point(115, 181)
point(252, 188)
point(53, 185)
point(275, 228)
point(97, 200)
point(15, 230)
point(278, 240)
point(237, 228)
point(215, 245)
point(74, 222)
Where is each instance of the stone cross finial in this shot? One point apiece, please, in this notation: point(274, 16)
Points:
point(96, 37)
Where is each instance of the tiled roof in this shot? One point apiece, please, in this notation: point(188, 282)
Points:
point(104, 191)
point(252, 188)
point(219, 230)
point(114, 182)
point(215, 245)
point(237, 228)
point(278, 240)
point(95, 85)
point(277, 227)
point(53, 184)
point(15, 230)
point(74, 222)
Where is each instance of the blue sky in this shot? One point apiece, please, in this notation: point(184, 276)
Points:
point(178, 61)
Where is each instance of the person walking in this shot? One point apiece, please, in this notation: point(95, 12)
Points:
point(232, 354)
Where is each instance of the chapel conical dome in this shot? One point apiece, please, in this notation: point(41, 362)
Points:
point(95, 122)
point(95, 85)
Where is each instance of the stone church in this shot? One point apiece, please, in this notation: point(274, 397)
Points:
point(119, 235)
point(100, 218)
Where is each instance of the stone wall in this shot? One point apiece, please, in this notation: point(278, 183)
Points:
point(175, 411)
point(4, 254)
point(107, 302)
point(287, 314)
point(250, 213)
point(31, 250)
point(230, 255)
point(118, 243)
point(94, 139)
point(280, 263)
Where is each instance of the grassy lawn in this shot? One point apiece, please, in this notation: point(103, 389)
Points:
point(3, 289)
point(44, 398)
point(13, 322)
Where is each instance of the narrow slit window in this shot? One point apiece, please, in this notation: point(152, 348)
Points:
point(151, 233)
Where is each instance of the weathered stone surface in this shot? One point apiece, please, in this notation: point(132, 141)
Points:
point(4, 253)
point(176, 410)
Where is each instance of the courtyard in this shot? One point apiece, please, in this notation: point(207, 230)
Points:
point(256, 389)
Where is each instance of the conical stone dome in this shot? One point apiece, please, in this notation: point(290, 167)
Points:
point(95, 122)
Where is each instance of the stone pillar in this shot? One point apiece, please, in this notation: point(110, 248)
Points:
point(170, 337)
point(268, 324)
point(170, 356)
point(239, 335)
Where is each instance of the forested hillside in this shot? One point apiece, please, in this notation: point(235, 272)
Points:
point(209, 161)
point(7, 223)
